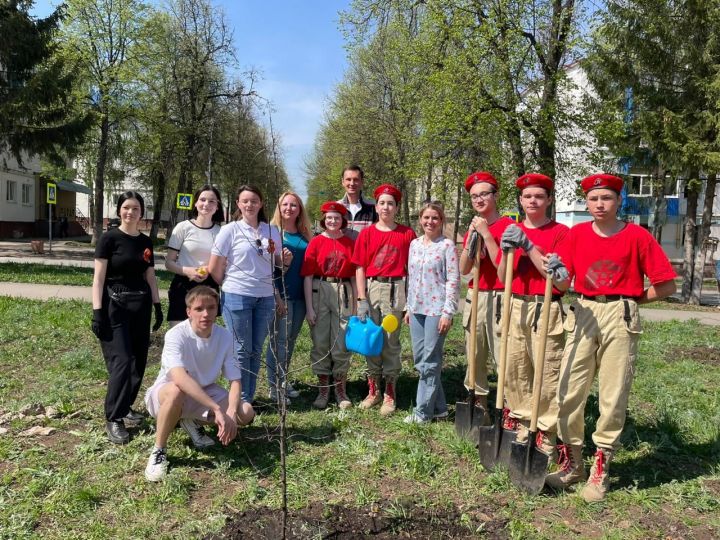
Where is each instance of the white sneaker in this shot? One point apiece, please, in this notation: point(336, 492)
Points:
point(415, 419)
point(290, 391)
point(157, 466)
point(199, 439)
point(272, 394)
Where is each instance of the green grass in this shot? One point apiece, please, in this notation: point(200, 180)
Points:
point(62, 275)
point(74, 484)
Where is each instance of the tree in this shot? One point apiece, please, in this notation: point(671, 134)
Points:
point(103, 37)
point(39, 113)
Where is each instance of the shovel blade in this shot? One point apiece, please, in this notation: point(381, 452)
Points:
point(468, 421)
point(494, 445)
point(528, 466)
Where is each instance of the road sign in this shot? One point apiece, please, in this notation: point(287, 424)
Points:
point(184, 201)
point(515, 216)
point(51, 193)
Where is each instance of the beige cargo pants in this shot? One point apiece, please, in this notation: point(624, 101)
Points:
point(521, 360)
point(333, 305)
point(386, 299)
point(602, 339)
point(487, 348)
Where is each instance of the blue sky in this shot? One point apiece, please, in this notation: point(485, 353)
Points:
point(298, 49)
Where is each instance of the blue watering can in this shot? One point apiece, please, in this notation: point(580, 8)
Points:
point(364, 338)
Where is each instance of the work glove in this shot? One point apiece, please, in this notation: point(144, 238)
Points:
point(158, 316)
point(472, 245)
point(514, 237)
point(363, 309)
point(556, 269)
point(98, 319)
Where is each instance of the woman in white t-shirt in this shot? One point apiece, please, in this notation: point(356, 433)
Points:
point(244, 256)
point(189, 250)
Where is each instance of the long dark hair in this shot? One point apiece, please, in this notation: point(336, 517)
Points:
point(130, 195)
point(252, 189)
point(219, 215)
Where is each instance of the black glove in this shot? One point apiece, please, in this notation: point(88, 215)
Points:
point(158, 316)
point(363, 309)
point(557, 269)
point(514, 237)
point(98, 320)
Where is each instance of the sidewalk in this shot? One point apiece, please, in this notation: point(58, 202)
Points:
point(66, 292)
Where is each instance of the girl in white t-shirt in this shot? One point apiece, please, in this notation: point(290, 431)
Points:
point(243, 259)
point(189, 250)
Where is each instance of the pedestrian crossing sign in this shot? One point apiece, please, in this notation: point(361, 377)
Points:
point(51, 193)
point(515, 216)
point(184, 201)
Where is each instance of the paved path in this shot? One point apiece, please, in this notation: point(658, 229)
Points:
point(64, 292)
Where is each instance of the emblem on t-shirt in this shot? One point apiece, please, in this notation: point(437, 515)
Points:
point(147, 254)
point(386, 256)
point(333, 263)
point(602, 274)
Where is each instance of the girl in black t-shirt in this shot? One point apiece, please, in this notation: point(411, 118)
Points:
point(124, 287)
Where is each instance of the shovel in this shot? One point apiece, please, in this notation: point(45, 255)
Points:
point(494, 446)
point(528, 464)
point(468, 417)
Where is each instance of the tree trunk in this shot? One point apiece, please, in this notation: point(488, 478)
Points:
point(99, 194)
point(691, 193)
point(159, 185)
point(700, 250)
point(658, 202)
point(458, 200)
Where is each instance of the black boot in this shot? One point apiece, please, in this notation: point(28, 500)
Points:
point(116, 432)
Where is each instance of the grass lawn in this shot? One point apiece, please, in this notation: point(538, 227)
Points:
point(74, 484)
point(62, 275)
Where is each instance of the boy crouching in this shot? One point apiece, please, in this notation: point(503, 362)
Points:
point(186, 390)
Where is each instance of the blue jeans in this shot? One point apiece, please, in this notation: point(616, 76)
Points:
point(427, 345)
point(249, 320)
point(286, 330)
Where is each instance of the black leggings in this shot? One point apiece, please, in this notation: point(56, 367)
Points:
point(125, 343)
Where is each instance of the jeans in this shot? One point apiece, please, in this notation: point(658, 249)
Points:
point(427, 345)
point(284, 332)
point(249, 319)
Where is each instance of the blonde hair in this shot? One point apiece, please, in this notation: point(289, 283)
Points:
point(433, 205)
point(201, 292)
point(302, 222)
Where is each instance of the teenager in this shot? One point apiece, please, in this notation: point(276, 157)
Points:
point(189, 250)
point(124, 293)
point(536, 236)
point(292, 220)
point(195, 354)
point(609, 260)
point(433, 290)
point(244, 258)
point(380, 257)
point(488, 225)
point(330, 292)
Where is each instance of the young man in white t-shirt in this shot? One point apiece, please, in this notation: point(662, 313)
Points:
point(196, 352)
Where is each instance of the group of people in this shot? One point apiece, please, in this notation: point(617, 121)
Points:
point(267, 277)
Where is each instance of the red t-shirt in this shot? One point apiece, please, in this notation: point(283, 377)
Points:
point(383, 253)
point(615, 265)
point(329, 257)
point(550, 238)
point(489, 280)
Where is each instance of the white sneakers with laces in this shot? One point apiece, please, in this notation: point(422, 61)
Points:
point(157, 465)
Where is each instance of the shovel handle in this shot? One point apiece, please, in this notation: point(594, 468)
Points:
point(505, 327)
point(540, 353)
point(473, 319)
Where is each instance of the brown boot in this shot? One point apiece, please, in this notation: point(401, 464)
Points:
point(388, 406)
point(597, 485)
point(340, 396)
point(321, 400)
point(571, 468)
point(373, 398)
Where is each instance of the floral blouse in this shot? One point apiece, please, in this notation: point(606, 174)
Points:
point(433, 285)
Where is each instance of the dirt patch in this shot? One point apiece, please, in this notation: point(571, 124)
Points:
point(709, 356)
point(713, 486)
point(337, 522)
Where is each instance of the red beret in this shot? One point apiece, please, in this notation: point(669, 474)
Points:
point(535, 179)
point(387, 189)
point(477, 177)
point(334, 206)
point(602, 180)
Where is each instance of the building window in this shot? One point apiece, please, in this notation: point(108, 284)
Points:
point(11, 192)
point(27, 194)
